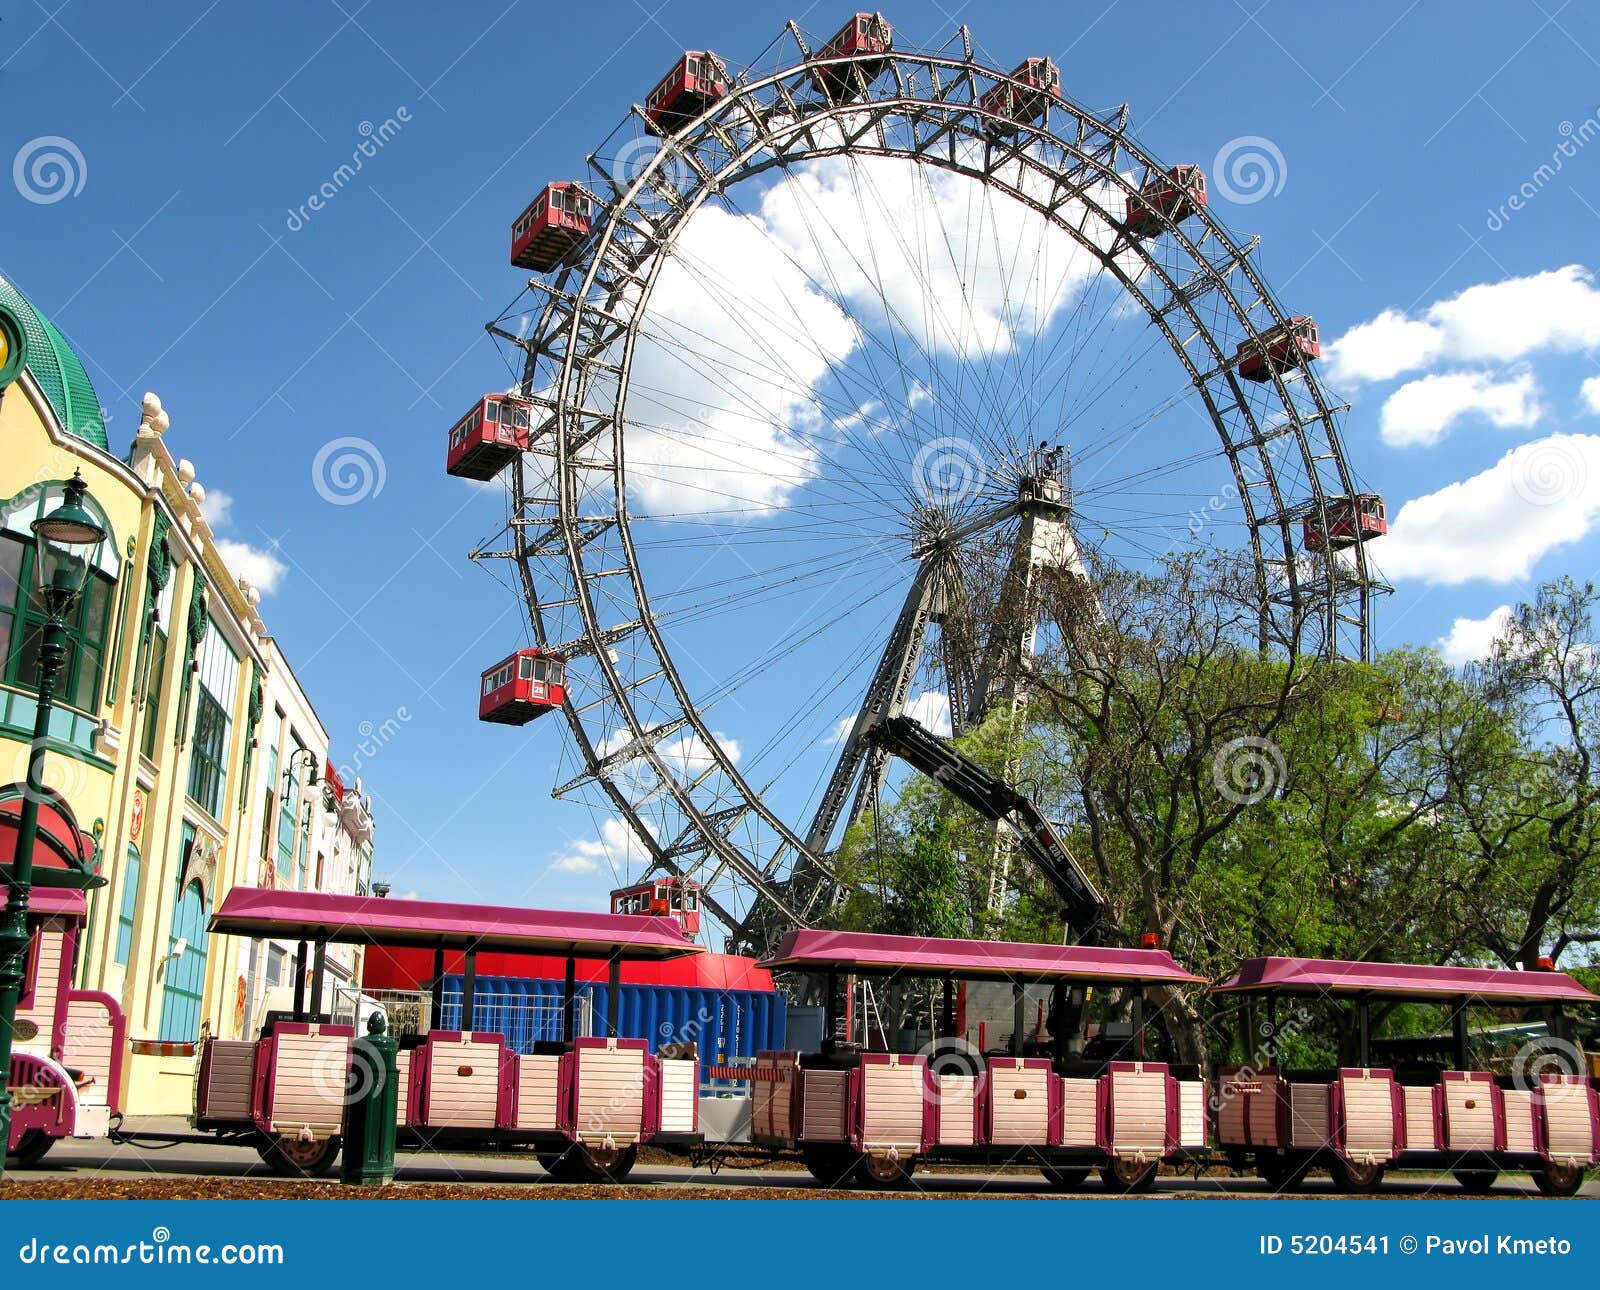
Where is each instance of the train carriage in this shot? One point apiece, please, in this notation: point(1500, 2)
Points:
point(69, 1046)
point(873, 1115)
point(583, 1104)
point(1362, 1119)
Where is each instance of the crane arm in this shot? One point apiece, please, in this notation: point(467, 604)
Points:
point(995, 799)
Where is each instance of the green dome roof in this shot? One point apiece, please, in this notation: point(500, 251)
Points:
point(55, 366)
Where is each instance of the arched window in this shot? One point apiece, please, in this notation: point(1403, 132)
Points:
point(22, 615)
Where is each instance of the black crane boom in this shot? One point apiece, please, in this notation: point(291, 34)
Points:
point(994, 799)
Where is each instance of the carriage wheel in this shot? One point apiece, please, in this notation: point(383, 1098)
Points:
point(1065, 1179)
point(1351, 1177)
point(1128, 1176)
point(31, 1148)
point(882, 1173)
point(291, 1158)
point(1283, 1173)
point(1478, 1181)
point(581, 1163)
point(1559, 1180)
point(830, 1163)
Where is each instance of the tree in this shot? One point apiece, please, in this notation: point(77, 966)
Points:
point(1524, 790)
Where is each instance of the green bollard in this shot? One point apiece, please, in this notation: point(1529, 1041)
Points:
point(369, 1113)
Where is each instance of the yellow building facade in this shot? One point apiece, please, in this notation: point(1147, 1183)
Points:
point(159, 716)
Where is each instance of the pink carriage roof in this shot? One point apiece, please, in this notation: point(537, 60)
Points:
point(372, 920)
point(1402, 981)
point(52, 900)
point(932, 956)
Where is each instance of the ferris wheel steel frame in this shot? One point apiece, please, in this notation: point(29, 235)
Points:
point(569, 533)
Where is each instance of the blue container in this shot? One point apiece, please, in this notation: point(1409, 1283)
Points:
point(729, 1026)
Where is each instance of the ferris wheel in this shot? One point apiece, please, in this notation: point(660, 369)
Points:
point(815, 350)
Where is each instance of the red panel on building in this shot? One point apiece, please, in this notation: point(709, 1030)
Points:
point(411, 969)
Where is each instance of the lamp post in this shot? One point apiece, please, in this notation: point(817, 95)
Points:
point(65, 543)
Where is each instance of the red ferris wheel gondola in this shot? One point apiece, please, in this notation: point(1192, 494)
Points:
point(696, 81)
point(1166, 199)
point(529, 684)
point(497, 428)
point(1025, 96)
point(866, 33)
point(1282, 348)
point(672, 896)
point(554, 225)
point(1350, 519)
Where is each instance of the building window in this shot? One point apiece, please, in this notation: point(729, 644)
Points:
point(130, 905)
point(22, 616)
point(184, 974)
point(207, 762)
point(219, 686)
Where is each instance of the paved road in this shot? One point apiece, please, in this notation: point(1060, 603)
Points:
point(86, 1159)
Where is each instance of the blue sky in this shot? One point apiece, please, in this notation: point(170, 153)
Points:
point(185, 264)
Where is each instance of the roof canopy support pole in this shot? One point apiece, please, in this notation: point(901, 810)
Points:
point(1270, 1043)
point(319, 972)
point(1019, 1018)
point(949, 1010)
point(569, 1000)
point(469, 990)
point(1363, 1032)
point(1138, 1023)
point(436, 1017)
point(1458, 1033)
point(300, 982)
point(613, 995)
point(835, 1013)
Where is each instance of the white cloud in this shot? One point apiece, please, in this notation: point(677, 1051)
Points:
point(1590, 390)
point(1471, 639)
point(261, 568)
point(1380, 349)
point(742, 380)
point(615, 851)
point(932, 709)
point(1496, 525)
point(217, 507)
point(1421, 411)
point(1491, 322)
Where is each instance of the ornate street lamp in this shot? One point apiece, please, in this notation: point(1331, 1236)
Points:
point(66, 542)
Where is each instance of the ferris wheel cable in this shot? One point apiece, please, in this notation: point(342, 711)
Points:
point(760, 666)
point(693, 614)
point(837, 297)
point(763, 418)
point(918, 259)
point(1098, 485)
point(899, 328)
point(709, 608)
point(668, 473)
